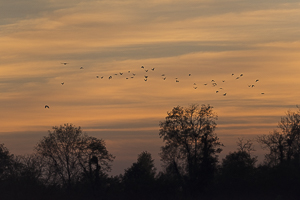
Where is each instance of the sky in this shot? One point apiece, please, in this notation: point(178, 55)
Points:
point(196, 47)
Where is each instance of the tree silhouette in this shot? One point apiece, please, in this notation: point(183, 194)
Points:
point(138, 180)
point(68, 154)
point(238, 170)
point(6, 162)
point(283, 146)
point(191, 146)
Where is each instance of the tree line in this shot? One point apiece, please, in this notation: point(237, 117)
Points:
point(69, 164)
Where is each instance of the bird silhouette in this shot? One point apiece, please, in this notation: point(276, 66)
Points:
point(142, 67)
point(146, 70)
point(97, 76)
point(46, 106)
point(64, 63)
point(146, 76)
point(62, 83)
point(81, 67)
point(256, 80)
point(153, 69)
point(224, 94)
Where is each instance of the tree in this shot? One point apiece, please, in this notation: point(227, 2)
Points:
point(238, 169)
point(283, 146)
point(69, 155)
point(191, 146)
point(6, 162)
point(138, 180)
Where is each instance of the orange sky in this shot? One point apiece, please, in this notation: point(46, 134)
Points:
point(208, 39)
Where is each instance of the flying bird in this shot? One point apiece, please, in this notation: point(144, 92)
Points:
point(224, 94)
point(146, 76)
point(62, 83)
point(64, 63)
point(97, 76)
point(81, 67)
point(142, 67)
point(190, 74)
point(121, 73)
point(256, 80)
point(153, 69)
point(46, 106)
point(146, 70)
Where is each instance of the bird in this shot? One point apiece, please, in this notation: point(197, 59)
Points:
point(101, 77)
point(214, 84)
point(142, 67)
point(145, 79)
point(128, 71)
point(190, 74)
point(242, 75)
point(262, 93)
point(212, 80)
point(110, 77)
point(153, 69)
point(133, 74)
point(256, 80)
point(121, 73)
point(232, 74)
point(164, 78)
point(237, 77)
point(224, 94)
point(177, 81)
point(62, 83)
point(64, 63)
point(146, 76)
point(81, 67)
point(205, 83)
point(46, 106)
point(146, 70)
point(195, 87)
point(97, 76)
point(163, 75)
point(217, 91)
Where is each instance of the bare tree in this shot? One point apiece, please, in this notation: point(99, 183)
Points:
point(283, 146)
point(191, 146)
point(68, 154)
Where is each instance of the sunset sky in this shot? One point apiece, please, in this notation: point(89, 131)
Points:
point(208, 39)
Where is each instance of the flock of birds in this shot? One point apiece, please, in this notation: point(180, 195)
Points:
point(132, 75)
